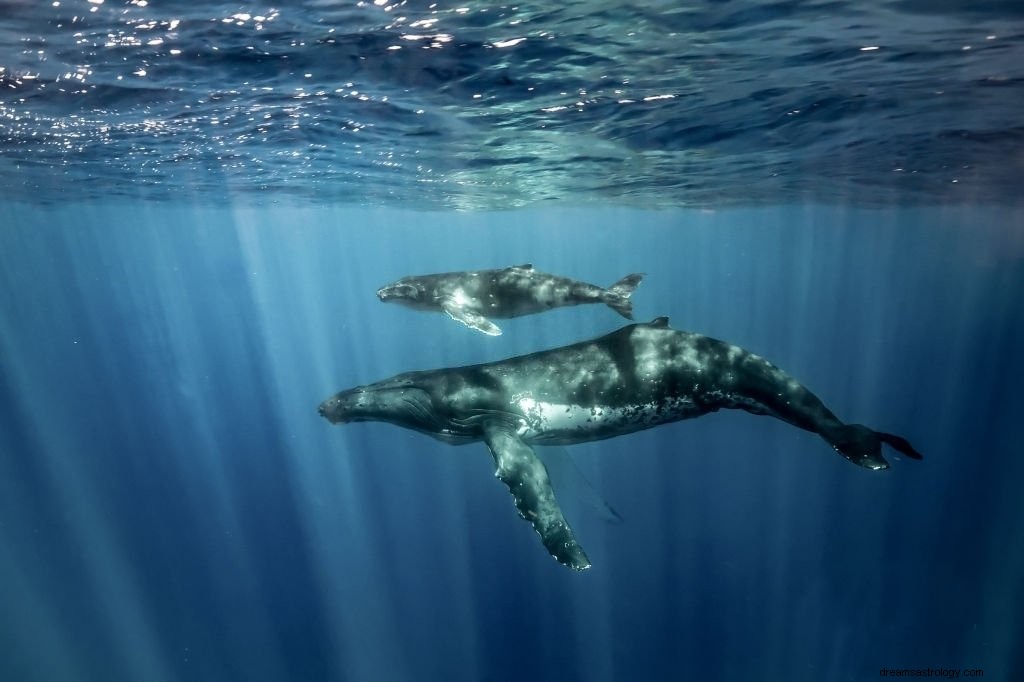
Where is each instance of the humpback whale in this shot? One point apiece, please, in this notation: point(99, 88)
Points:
point(474, 297)
point(635, 378)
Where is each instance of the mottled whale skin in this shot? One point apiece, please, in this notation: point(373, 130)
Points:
point(474, 297)
point(635, 378)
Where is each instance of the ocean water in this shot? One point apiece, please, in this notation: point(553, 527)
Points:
point(199, 205)
point(489, 105)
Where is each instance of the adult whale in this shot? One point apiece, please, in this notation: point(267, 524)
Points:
point(635, 378)
point(475, 296)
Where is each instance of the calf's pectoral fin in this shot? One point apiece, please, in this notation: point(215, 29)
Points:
point(517, 466)
point(470, 318)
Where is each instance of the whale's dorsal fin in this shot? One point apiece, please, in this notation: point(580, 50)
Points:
point(660, 322)
point(517, 466)
point(470, 318)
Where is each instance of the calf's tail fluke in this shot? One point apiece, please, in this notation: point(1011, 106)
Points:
point(863, 446)
point(617, 296)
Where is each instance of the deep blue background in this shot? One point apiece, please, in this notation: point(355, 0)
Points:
point(171, 506)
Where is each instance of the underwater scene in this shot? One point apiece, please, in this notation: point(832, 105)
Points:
point(413, 341)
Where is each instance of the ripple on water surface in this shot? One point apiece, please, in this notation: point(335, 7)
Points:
point(482, 105)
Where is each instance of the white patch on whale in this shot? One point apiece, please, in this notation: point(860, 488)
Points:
point(546, 420)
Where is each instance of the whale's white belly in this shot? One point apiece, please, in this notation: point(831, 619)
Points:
point(559, 422)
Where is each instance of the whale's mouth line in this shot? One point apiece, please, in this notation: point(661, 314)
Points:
point(398, 291)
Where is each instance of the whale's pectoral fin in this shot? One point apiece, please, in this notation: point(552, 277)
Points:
point(517, 467)
point(470, 318)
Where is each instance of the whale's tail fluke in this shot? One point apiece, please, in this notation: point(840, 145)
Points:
point(901, 445)
point(617, 296)
point(863, 446)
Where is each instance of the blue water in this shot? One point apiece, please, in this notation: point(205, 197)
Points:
point(173, 507)
point(199, 204)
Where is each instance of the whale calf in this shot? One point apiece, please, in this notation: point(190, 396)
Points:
point(635, 378)
point(474, 297)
